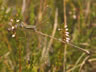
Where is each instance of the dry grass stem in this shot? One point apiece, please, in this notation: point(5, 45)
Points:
point(52, 36)
point(64, 37)
point(83, 63)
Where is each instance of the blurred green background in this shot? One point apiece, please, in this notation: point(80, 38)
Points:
point(25, 52)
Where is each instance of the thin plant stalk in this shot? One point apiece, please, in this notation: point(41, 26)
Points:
point(20, 67)
point(65, 47)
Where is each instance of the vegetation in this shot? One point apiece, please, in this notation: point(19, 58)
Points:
point(47, 35)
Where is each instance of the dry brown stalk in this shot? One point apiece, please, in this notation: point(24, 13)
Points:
point(46, 55)
point(64, 37)
point(83, 63)
point(20, 66)
point(25, 13)
point(53, 32)
point(76, 64)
